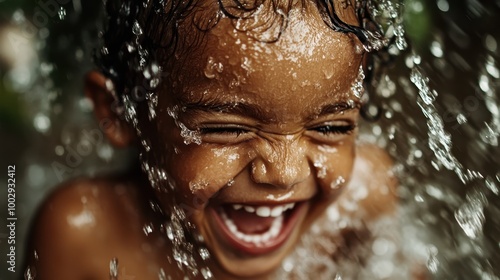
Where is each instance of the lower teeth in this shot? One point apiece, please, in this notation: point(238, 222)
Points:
point(257, 239)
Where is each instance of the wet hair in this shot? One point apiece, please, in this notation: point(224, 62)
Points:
point(140, 33)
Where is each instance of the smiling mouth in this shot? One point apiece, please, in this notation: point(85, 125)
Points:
point(256, 229)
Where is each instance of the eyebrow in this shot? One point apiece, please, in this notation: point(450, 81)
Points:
point(218, 106)
point(339, 107)
point(213, 105)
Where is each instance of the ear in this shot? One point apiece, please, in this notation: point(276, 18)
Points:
point(118, 132)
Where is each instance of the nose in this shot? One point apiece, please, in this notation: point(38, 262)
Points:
point(281, 164)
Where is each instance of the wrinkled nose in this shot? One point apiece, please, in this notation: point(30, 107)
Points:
point(283, 164)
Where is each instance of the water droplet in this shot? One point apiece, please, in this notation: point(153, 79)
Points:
point(490, 43)
point(162, 275)
point(337, 183)
point(130, 47)
point(387, 87)
point(146, 73)
point(436, 49)
point(204, 254)
point(46, 68)
point(113, 269)
point(212, 68)
point(320, 165)
point(461, 119)
point(432, 260)
point(145, 145)
point(169, 231)
point(61, 13)
point(41, 123)
point(490, 184)
point(147, 229)
point(136, 29)
point(470, 217)
point(484, 83)
point(206, 273)
point(30, 273)
point(357, 87)
point(105, 152)
point(491, 68)
point(189, 136)
point(152, 105)
point(287, 265)
point(489, 135)
point(197, 186)
point(104, 51)
point(59, 150)
point(443, 5)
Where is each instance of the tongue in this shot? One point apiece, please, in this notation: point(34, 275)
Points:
point(248, 223)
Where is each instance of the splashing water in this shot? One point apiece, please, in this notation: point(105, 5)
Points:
point(422, 128)
point(30, 273)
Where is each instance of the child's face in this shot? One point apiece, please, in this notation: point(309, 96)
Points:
point(277, 129)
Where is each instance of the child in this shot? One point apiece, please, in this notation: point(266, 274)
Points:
point(245, 115)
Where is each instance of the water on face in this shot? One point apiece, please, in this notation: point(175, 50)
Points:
point(440, 122)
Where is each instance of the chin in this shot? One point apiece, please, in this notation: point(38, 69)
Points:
point(251, 240)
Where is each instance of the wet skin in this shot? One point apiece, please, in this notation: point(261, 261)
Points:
point(254, 136)
point(277, 124)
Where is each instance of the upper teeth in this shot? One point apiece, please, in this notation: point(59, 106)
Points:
point(265, 211)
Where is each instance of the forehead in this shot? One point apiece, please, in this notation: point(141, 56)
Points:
point(309, 64)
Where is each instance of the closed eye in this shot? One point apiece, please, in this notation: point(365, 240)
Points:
point(222, 134)
point(335, 129)
point(332, 132)
point(223, 130)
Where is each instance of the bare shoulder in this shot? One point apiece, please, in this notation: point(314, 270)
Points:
point(84, 224)
point(373, 180)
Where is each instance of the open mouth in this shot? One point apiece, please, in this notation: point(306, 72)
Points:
point(257, 229)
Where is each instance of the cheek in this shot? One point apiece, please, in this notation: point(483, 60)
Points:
point(336, 169)
point(200, 171)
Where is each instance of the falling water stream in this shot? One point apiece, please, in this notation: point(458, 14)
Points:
point(439, 120)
